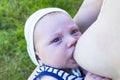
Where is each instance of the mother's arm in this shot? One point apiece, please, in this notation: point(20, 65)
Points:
point(32, 76)
point(87, 13)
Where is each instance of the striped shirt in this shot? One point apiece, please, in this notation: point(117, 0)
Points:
point(57, 73)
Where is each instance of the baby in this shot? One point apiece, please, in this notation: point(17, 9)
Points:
point(51, 37)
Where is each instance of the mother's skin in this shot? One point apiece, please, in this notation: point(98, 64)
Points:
point(98, 49)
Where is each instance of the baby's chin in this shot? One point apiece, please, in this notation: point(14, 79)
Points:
point(75, 65)
point(70, 66)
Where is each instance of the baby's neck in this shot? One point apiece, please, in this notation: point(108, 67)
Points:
point(76, 71)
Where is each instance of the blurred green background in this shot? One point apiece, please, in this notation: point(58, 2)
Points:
point(15, 63)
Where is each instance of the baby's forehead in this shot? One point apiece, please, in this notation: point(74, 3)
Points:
point(43, 23)
point(50, 17)
point(52, 22)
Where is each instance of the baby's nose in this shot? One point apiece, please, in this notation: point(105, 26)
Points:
point(71, 41)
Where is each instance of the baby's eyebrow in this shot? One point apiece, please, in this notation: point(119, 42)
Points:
point(73, 26)
point(56, 33)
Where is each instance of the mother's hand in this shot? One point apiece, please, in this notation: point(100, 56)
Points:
point(91, 76)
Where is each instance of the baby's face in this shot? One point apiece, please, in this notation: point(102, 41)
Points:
point(56, 37)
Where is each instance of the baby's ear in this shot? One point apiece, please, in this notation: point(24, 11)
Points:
point(38, 58)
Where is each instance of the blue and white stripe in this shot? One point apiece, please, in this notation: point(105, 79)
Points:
point(46, 70)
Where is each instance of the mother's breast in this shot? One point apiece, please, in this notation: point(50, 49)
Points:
point(98, 49)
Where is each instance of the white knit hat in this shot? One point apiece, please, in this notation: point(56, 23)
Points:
point(29, 29)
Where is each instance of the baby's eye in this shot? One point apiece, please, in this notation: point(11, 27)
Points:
point(56, 40)
point(74, 31)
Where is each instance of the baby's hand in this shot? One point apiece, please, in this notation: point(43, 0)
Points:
point(90, 76)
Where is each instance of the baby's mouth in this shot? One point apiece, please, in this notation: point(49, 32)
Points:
point(73, 54)
point(73, 57)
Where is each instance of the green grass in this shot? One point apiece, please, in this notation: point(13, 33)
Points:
point(15, 63)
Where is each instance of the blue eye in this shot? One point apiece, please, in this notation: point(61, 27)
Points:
point(74, 31)
point(56, 39)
